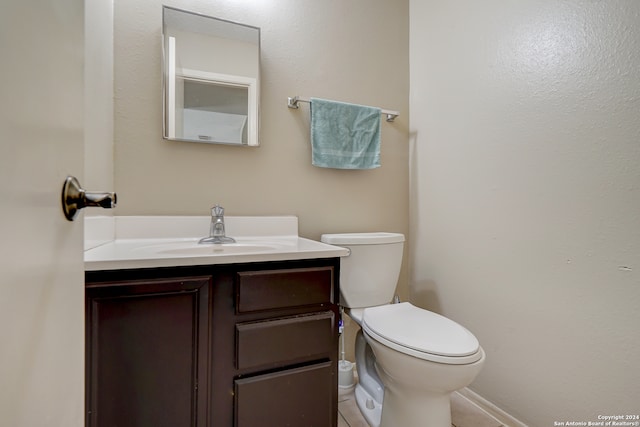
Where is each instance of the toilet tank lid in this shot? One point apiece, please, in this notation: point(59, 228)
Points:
point(378, 238)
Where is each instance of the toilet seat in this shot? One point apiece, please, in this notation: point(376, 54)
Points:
point(421, 333)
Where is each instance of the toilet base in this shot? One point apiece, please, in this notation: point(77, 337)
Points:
point(412, 411)
point(408, 411)
point(370, 409)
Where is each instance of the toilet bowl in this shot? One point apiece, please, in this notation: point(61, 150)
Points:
point(409, 360)
point(418, 357)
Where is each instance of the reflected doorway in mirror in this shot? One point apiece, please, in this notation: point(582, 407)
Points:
point(211, 79)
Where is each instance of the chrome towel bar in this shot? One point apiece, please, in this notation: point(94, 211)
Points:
point(292, 102)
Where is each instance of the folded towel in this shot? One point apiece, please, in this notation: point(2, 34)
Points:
point(344, 136)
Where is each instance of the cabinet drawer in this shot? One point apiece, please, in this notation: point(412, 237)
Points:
point(301, 397)
point(273, 289)
point(284, 341)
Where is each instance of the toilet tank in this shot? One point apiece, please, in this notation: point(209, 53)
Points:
point(369, 274)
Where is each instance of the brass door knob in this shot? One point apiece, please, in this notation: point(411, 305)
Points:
point(75, 198)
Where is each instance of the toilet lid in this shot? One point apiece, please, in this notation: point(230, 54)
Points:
point(421, 332)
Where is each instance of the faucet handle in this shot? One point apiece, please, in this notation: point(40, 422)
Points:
point(217, 210)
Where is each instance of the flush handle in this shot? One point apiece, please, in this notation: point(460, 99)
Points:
point(75, 198)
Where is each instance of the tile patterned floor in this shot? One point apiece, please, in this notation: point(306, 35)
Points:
point(463, 413)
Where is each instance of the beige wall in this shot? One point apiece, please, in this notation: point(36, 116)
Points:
point(525, 197)
point(355, 51)
point(350, 51)
point(98, 95)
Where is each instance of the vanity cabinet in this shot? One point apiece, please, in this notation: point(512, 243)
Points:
point(240, 345)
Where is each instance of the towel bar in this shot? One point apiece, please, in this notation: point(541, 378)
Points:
point(292, 102)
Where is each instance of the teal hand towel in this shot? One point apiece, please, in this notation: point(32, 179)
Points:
point(344, 136)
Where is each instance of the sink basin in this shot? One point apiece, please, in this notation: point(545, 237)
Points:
point(228, 248)
point(193, 248)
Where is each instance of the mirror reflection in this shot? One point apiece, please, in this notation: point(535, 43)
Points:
point(211, 79)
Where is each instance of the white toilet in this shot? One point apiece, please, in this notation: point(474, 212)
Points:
point(408, 360)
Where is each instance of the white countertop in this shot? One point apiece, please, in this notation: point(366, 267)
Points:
point(115, 243)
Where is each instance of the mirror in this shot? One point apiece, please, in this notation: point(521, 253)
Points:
point(211, 79)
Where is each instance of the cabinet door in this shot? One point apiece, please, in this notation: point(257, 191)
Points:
point(301, 397)
point(147, 353)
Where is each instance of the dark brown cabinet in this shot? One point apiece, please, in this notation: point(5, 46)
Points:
point(146, 352)
point(284, 398)
point(240, 345)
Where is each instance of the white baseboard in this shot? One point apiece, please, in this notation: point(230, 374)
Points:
point(491, 409)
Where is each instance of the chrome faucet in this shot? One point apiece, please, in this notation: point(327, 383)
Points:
point(216, 229)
